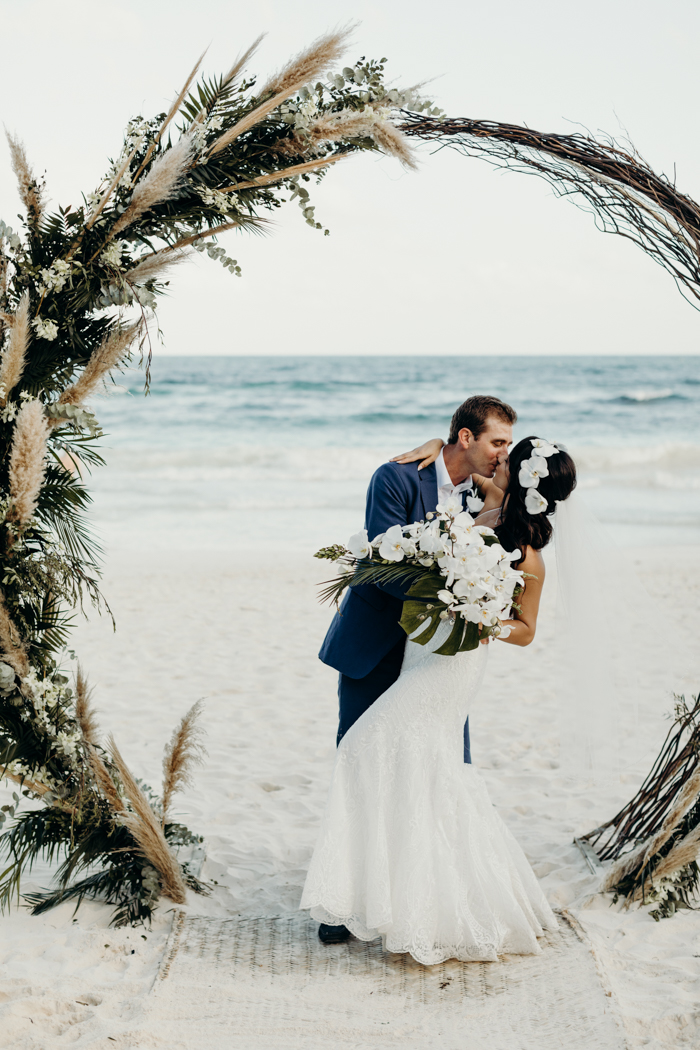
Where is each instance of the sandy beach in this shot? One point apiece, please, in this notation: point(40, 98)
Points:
point(198, 624)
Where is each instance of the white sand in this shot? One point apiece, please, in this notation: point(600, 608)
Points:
point(198, 625)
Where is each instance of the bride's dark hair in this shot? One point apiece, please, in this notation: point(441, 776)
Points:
point(519, 528)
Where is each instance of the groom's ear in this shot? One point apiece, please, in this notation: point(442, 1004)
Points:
point(465, 437)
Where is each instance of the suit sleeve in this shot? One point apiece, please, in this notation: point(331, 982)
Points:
point(387, 505)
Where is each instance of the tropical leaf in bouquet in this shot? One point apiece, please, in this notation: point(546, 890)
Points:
point(415, 614)
point(452, 645)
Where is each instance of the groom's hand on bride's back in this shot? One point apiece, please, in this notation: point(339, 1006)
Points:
point(427, 453)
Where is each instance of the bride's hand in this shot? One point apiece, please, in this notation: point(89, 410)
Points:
point(428, 453)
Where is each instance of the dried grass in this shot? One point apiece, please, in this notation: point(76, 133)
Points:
point(169, 116)
point(14, 356)
point(13, 650)
point(104, 780)
point(288, 173)
point(144, 826)
point(108, 355)
point(84, 712)
point(162, 182)
point(155, 265)
point(181, 754)
point(682, 853)
point(103, 201)
point(350, 124)
point(307, 66)
point(243, 61)
point(393, 142)
point(27, 461)
point(640, 857)
point(210, 233)
point(29, 188)
point(30, 785)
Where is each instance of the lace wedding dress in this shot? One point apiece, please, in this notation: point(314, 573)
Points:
point(410, 846)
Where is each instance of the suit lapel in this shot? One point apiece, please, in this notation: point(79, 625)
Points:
point(428, 489)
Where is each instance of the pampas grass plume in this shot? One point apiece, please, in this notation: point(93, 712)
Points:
point(143, 825)
point(104, 780)
point(161, 183)
point(684, 851)
point(183, 752)
point(27, 461)
point(154, 265)
point(307, 66)
point(13, 652)
point(29, 190)
point(392, 141)
point(84, 712)
point(640, 857)
point(13, 358)
point(107, 356)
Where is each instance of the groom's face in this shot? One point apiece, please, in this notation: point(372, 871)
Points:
point(489, 448)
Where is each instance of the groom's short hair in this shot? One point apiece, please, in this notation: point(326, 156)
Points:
point(475, 412)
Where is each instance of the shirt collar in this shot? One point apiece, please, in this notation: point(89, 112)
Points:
point(443, 478)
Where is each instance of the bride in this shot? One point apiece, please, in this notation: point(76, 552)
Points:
point(411, 848)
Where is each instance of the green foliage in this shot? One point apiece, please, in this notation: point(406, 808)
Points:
point(78, 267)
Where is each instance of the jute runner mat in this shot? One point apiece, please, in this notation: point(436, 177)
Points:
point(269, 984)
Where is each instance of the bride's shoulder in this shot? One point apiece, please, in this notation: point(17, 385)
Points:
point(532, 562)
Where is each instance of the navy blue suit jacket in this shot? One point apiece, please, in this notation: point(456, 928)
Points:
point(367, 625)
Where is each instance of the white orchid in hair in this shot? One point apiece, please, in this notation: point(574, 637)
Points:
point(535, 503)
point(531, 470)
point(543, 448)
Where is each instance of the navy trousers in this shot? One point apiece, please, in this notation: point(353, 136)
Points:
point(357, 694)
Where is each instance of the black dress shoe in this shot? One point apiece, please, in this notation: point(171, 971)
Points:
point(332, 934)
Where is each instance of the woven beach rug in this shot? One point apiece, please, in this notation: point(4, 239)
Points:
point(269, 984)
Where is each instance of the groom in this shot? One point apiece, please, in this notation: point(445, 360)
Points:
point(365, 641)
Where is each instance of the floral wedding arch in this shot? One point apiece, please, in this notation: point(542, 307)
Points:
point(78, 289)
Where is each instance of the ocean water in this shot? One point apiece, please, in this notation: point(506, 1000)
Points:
point(226, 452)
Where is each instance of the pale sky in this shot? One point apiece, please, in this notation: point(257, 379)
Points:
point(457, 258)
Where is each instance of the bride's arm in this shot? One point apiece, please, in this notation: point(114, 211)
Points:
point(524, 625)
point(428, 453)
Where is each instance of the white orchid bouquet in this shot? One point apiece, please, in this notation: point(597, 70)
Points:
point(449, 568)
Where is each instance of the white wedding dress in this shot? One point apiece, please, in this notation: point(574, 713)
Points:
point(411, 848)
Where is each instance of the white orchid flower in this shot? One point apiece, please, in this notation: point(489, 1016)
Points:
point(463, 521)
point(486, 555)
point(446, 596)
point(531, 470)
point(490, 612)
point(543, 448)
point(391, 548)
point(503, 589)
point(359, 545)
point(471, 613)
point(432, 543)
point(471, 587)
point(452, 506)
point(535, 503)
point(474, 503)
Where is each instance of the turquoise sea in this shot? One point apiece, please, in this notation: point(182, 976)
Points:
point(227, 451)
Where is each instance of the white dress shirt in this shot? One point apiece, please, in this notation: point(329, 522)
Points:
point(444, 481)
